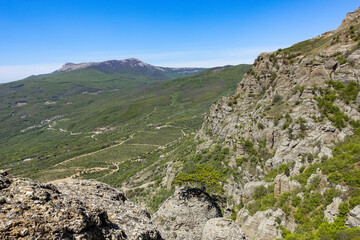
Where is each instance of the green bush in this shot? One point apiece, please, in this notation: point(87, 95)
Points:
point(277, 98)
point(260, 192)
point(204, 175)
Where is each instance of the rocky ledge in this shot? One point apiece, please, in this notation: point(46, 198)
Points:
point(72, 210)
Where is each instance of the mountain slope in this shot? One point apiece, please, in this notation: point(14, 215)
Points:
point(57, 117)
point(281, 154)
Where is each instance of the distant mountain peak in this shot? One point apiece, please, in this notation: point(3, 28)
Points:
point(129, 63)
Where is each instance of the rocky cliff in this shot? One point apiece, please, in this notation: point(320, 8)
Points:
point(286, 116)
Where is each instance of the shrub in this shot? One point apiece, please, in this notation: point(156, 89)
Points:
point(240, 161)
point(341, 60)
point(277, 98)
point(295, 201)
point(260, 192)
point(205, 175)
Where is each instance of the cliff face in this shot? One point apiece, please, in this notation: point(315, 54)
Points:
point(276, 106)
point(288, 112)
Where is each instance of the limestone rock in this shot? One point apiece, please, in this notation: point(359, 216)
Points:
point(332, 210)
point(34, 210)
point(284, 184)
point(250, 187)
point(184, 215)
point(354, 217)
point(133, 220)
point(222, 229)
point(263, 225)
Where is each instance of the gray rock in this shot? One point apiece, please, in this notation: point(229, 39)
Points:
point(284, 184)
point(184, 215)
point(263, 225)
point(354, 217)
point(222, 229)
point(332, 210)
point(34, 210)
point(134, 220)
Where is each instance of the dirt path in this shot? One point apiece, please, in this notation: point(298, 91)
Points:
point(142, 144)
point(147, 116)
point(116, 164)
point(76, 175)
point(91, 153)
point(125, 188)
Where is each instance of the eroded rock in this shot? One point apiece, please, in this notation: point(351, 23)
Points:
point(184, 215)
point(34, 210)
point(354, 217)
point(263, 225)
point(222, 229)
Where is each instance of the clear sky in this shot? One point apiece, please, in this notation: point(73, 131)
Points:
point(38, 36)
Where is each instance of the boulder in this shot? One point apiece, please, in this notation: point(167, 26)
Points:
point(184, 215)
point(134, 220)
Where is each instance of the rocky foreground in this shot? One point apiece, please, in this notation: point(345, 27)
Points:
point(82, 209)
point(73, 210)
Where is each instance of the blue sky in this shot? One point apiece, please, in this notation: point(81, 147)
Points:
point(38, 36)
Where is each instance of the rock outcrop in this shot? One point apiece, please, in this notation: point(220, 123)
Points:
point(354, 217)
point(276, 109)
point(84, 210)
point(263, 225)
point(222, 229)
point(184, 215)
point(132, 219)
point(284, 184)
point(332, 210)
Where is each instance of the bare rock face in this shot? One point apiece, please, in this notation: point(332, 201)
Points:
point(332, 210)
point(132, 219)
point(34, 210)
point(284, 184)
point(222, 229)
point(354, 217)
point(184, 215)
point(263, 225)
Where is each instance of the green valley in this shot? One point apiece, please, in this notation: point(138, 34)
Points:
point(85, 122)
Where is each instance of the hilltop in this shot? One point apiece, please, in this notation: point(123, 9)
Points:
point(133, 66)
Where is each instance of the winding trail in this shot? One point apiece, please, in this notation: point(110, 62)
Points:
point(125, 188)
point(76, 175)
point(100, 150)
point(147, 116)
point(113, 171)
